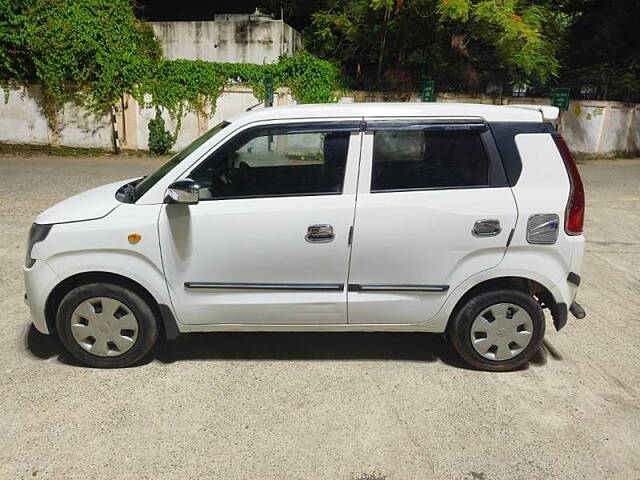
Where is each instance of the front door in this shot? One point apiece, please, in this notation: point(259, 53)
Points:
point(433, 209)
point(268, 243)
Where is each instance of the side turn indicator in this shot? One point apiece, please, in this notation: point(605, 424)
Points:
point(134, 237)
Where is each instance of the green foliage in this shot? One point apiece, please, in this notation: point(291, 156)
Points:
point(94, 51)
point(467, 45)
point(95, 48)
point(515, 29)
point(450, 40)
point(311, 80)
point(13, 23)
point(604, 49)
point(349, 34)
point(181, 85)
point(382, 4)
point(454, 10)
point(160, 140)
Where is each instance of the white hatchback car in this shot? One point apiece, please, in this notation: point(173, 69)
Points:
point(464, 219)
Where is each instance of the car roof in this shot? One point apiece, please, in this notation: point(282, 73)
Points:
point(489, 113)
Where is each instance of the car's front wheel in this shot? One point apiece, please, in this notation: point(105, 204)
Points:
point(105, 325)
point(497, 331)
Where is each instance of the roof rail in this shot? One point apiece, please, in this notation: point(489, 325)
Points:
point(549, 113)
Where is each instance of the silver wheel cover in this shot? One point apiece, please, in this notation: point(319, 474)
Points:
point(501, 331)
point(104, 326)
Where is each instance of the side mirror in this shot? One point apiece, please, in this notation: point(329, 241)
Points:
point(183, 191)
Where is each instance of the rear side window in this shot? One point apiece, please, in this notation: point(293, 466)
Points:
point(422, 159)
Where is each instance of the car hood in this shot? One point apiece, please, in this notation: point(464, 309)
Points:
point(95, 203)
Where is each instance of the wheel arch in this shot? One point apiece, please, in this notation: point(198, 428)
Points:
point(537, 290)
point(162, 312)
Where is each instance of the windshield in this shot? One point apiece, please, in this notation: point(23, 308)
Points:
point(145, 185)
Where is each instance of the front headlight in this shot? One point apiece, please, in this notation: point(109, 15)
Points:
point(37, 234)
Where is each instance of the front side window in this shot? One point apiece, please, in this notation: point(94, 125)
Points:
point(145, 185)
point(271, 162)
point(423, 159)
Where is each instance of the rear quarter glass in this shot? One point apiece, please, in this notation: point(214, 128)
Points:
point(504, 134)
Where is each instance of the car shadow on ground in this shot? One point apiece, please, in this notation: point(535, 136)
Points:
point(413, 347)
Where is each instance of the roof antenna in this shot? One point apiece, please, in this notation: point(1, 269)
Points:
point(248, 109)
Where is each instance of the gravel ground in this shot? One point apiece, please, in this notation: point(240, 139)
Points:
point(325, 406)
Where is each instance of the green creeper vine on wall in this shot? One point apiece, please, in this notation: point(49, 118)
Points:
point(92, 52)
point(181, 85)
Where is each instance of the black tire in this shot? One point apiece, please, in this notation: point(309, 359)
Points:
point(147, 333)
point(459, 329)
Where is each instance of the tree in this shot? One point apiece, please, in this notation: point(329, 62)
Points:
point(467, 39)
point(604, 48)
point(515, 29)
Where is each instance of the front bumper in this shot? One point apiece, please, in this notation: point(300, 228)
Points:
point(39, 281)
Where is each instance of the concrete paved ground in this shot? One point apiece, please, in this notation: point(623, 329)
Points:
point(325, 406)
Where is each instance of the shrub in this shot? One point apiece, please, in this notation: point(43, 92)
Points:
point(160, 140)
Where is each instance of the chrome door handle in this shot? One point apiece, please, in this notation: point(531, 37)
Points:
point(487, 228)
point(319, 234)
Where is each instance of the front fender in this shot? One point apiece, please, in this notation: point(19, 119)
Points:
point(126, 264)
point(104, 245)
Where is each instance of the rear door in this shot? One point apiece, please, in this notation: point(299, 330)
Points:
point(433, 208)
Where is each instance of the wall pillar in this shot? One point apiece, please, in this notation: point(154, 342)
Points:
point(628, 139)
point(283, 96)
point(604, 126)
point(127, 122)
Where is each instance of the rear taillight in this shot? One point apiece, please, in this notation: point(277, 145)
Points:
point(574, 215)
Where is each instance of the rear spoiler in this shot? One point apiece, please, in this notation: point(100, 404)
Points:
point(549, 113)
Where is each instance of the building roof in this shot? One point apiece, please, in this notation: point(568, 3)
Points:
point(490, 113)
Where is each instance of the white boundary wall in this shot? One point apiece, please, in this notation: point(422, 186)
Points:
point(230, 38)
point(594, 127)
point(22, 122)
point(588, 126)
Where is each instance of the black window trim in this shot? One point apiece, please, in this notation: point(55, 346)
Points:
point(433, 124)
point(240, 138)
point(496, 173)
point(273, 195)
point(429, 189)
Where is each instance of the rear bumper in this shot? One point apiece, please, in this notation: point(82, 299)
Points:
point(39, 281)
point(559, 311)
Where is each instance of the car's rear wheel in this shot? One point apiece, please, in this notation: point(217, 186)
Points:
point(105, 325)
point(497, 331)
